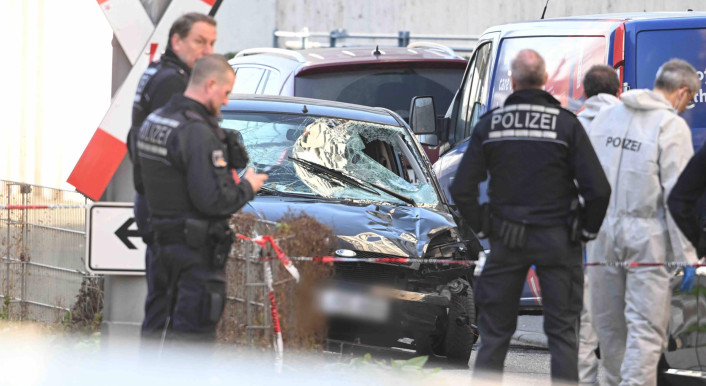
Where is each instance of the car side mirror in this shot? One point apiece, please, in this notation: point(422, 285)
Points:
point(422, 116)
point(429, 139)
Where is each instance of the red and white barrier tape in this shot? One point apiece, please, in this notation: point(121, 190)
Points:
point(287, 261)
point(19, 207)
point(277, 343)
point(626, 264)
point(332, 259)
point(262, 241)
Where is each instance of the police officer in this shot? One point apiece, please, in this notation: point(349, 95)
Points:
point(686, 202)
point(539, 159)
point(186, 169)
point(190, 37)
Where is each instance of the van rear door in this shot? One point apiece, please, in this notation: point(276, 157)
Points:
point(650, 43)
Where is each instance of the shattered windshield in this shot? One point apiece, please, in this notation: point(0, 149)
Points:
point(333, 158)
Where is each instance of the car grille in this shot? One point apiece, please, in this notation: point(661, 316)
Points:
point(370, 273)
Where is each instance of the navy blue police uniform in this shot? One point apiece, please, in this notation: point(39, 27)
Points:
point(539, 160)
point(186, 172)
point(162, 79)
point(687, 201)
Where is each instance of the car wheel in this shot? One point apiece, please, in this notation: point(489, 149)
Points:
point(461, 331)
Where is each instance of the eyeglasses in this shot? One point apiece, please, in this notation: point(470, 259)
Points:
point(691, 103)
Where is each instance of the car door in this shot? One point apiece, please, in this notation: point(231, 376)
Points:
point(468, 105)
point(473, 94)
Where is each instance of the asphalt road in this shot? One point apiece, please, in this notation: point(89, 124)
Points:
point(527, 363)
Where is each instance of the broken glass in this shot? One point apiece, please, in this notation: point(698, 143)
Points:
point(380, 154)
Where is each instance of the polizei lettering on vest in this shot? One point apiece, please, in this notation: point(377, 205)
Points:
point(524, 120)
point(625, 143)
point(156, 134)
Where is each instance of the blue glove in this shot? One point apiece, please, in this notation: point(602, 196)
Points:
point(688, 282)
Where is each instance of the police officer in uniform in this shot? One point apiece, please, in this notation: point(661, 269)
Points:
point(186, 162)
point(539, 160)
point(190, 37)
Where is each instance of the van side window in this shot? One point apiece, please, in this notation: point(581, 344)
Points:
point(567, 59)
point(475, 89)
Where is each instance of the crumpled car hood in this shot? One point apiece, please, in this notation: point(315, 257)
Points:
point(392, 230)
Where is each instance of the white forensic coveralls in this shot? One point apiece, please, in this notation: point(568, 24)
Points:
point(588, 341)
point(643, 145)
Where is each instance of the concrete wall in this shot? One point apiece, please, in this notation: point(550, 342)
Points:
point(248, 23)
point(245, 24)
point(447, 16)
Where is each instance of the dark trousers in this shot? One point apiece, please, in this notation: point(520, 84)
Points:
point(157, 302)
point(181, 281)
point(559, 268)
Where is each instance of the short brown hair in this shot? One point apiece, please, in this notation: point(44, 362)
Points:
point(208, 66)
point(601, 79)
point(182, 26)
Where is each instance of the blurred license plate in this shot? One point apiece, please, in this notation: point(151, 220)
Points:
point(355, 305)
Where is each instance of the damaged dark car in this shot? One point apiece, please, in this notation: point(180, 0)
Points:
point(361, 171)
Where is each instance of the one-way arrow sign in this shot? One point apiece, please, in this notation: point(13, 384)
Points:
point(114, 245)
point(124, 233)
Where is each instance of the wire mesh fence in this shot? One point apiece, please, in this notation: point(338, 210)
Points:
point(42, 269)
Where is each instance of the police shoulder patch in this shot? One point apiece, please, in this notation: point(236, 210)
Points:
point(218, 159)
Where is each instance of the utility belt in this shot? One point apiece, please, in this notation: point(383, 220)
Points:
point(513, 234)
point(198, 233)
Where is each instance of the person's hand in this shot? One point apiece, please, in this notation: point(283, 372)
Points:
point(688, 282)
point(256, 180)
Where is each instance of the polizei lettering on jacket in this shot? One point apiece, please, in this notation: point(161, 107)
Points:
point(154, 134)
point(625, 143)
point(523, 120)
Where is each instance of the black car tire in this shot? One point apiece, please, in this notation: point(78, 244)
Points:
point(461, 331)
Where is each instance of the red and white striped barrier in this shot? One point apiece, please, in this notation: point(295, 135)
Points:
point(106, 149)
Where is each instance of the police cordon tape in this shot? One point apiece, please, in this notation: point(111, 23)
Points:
point(627, 264)
point(287, 260)
point(333, 259)
point(21, 207)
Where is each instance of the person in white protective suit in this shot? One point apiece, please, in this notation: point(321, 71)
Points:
point(643, 145)
point(600, 85)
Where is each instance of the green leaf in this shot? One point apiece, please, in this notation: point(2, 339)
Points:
point(397, 364)
point(417, 361)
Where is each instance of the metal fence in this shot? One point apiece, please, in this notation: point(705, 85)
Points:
point(338, 37)
point(42, 268)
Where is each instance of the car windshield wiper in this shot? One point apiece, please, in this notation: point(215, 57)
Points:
point(274, 192)
point(362, 184)
point(333, 173)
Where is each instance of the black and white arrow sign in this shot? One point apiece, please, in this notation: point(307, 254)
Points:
point(124, 233)
point(114, 244)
